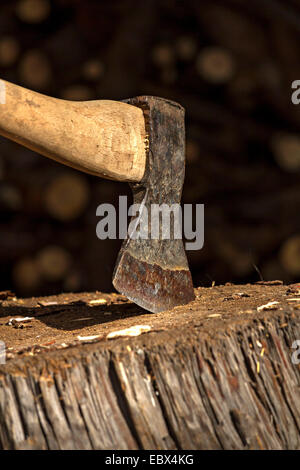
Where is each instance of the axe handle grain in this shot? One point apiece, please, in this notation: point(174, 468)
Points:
point(103, 138)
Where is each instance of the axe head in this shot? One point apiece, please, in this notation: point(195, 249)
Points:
point(153, 271)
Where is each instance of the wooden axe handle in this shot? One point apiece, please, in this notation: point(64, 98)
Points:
point(103, 138)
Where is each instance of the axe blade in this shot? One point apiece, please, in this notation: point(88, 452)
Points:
point(154, 273)
point(155, 288)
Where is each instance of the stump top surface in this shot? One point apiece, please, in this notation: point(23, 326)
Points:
point(62, 323)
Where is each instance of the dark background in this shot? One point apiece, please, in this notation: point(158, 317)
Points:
point(229, 63)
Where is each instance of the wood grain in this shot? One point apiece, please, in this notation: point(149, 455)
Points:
point(103, 138)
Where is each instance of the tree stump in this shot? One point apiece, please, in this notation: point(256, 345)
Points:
point(215, 374)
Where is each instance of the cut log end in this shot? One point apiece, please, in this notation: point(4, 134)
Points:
point(229, 380)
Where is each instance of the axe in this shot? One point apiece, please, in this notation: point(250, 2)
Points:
point(141, 141)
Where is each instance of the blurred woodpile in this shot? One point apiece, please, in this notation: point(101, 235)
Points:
point(230, 63)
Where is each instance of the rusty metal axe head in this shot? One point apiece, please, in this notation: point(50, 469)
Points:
point(107, 139)
point(154, 273)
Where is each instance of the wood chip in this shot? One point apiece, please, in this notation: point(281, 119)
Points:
point(268, 306)
point(88, 338)
point(45, 303)
point(11, 321)
point(132, 331)
point(97, 301)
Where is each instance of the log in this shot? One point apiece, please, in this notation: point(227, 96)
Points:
point(186, 48)
point(53, 262)
point(163, 55)
point(9, 51)
point(93, 70)
point(66, 196)
point(33, 11)
point(290, 255)
point(226, 382)
point(216, 65)
point(286, 149)
point(35, 70)
point(26, 275)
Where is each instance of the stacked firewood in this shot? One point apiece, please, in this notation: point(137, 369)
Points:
point(230, 63)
